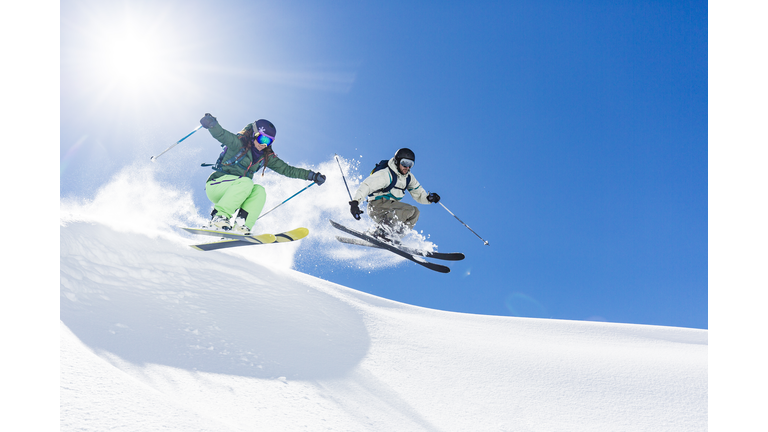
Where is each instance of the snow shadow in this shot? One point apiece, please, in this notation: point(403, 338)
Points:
point(155, 301)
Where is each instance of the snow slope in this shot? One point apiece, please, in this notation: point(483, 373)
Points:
point(158, 336)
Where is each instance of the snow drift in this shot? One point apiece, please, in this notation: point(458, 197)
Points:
point(156, 335)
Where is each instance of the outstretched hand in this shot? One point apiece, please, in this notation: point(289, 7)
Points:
point(433, 197)
point(316, 177)
point(208, 121)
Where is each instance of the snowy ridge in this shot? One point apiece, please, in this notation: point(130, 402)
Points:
point(156, 335)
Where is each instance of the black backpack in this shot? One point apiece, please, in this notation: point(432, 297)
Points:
point(385, 164)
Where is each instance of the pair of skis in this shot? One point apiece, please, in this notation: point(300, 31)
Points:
point(410, 254)
point(234, 240)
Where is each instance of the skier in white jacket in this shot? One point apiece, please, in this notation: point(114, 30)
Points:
point(384, 189)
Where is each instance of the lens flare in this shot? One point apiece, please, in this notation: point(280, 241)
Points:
point(523, 305)
point(69, 156)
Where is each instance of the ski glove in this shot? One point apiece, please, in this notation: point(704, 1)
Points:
point(433, 197)
point(316, 177)
point(354, 208)
point(208, 121)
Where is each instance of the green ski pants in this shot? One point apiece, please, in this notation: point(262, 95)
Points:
point(229, 193)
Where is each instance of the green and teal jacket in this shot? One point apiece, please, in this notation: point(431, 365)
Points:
point(243, 163)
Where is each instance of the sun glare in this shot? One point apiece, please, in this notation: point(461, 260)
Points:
point(126, 56)
point(132, 59)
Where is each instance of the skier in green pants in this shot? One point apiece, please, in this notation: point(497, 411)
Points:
point(231, 188)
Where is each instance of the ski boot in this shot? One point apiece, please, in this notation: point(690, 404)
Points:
point(239, 227)
point(385, 234)
point(219, 222)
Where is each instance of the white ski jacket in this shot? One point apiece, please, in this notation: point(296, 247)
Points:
point(381, 179)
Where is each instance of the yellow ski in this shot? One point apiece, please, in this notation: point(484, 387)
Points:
point(235, 240)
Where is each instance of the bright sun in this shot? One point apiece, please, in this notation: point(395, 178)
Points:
point(130, 56)
point(132, 59)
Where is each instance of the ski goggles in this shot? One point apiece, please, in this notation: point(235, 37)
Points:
point(264, 139)
point(406, 163)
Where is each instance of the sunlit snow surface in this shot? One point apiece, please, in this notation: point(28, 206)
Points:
point(158, 336)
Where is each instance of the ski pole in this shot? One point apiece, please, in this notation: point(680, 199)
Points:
point(345, 184)
point(457, 218)
point(264, 214)
point(342, 176)
point(154, 158)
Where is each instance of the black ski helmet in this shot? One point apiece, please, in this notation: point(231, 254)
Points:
point(404, 153)
point(266, 127)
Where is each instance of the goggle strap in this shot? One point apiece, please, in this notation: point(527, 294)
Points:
point(261, 131)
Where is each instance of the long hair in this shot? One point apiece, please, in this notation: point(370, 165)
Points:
point(246, 136)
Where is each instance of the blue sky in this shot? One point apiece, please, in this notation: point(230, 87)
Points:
point(573, 136)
